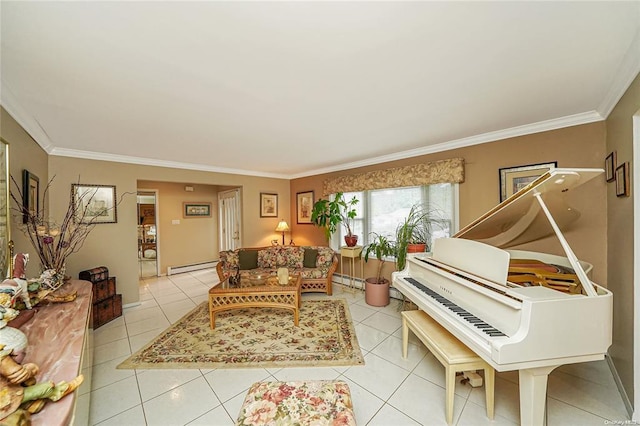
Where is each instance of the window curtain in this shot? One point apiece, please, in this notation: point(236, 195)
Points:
point(442, 171)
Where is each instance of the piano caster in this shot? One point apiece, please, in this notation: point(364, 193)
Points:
point(472, 378)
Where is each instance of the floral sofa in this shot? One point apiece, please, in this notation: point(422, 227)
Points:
point(316, 264)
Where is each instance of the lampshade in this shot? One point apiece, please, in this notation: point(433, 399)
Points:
point(282, 226)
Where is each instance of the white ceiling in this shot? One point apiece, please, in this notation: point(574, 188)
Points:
point(290, 89)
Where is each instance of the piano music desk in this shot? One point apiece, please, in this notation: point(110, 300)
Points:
point(451, 353)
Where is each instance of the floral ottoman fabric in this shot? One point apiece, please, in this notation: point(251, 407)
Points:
point(314, 403)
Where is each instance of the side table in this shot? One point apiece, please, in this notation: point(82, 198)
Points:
point(351, 253)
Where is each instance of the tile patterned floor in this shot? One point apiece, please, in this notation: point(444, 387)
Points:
point(387, 390)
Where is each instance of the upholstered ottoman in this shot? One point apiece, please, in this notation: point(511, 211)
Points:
point(297, 403)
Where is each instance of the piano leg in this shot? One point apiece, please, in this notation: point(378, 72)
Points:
point(533, 395)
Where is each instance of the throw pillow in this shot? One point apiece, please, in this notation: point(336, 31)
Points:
point(248, 259)
point(310, 258)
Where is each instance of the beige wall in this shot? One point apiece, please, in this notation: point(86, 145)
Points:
point(193, 240)
point(620, 236)
point(24, 153)
point(115, 245)
point(579, 146)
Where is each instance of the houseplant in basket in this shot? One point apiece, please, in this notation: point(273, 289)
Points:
point(329, 214)
point(377, 288)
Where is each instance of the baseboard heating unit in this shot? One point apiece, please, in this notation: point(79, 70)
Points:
point(172, 270)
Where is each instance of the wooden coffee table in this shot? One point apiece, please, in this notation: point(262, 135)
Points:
point(245, 294)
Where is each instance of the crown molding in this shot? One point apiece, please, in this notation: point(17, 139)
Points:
point(32, 127)
point(542, 126)
point(89, 155)
point(628, 71)
point(29, 123)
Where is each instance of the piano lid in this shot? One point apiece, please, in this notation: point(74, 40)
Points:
point(520, 218)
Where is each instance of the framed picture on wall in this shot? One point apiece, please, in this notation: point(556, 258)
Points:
point(196, 209)
point(622, 180)
point(30, 195)
point(96, 203)
point(610, 166)
point(513, 179)
point(268, 205)
point(304, 205)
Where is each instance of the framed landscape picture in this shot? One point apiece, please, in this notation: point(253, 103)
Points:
point(268, 205)
point(96, 203)
point(304, 205)
point(513, 179)
point(196, 209)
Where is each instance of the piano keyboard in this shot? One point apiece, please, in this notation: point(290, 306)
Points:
point(467, 316)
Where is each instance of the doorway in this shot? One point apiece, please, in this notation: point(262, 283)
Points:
point(230, 219)
point(147, 233)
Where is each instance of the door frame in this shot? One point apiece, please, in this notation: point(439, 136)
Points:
point(238, 196)
point(157, 217)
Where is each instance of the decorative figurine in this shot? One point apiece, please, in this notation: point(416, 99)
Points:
point(17, 286)
point(18, 387)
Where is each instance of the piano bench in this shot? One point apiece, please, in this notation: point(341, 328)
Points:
point(451, 353)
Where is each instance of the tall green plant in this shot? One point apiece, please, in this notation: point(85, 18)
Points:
point(329, 214)
point(416, 228)
point(382, 248)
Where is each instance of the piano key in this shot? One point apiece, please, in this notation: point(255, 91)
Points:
point(467, 316)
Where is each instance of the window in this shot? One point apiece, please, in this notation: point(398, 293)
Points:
point(381, 210)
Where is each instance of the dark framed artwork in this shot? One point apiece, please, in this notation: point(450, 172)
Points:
point(96, 203)
point(304, 205)
point(30, 195)
point(268, 205)
point(196, 209)
point(610, 166)
point(622, 180)
point(513, 179)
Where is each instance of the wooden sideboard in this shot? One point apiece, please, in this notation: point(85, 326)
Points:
point(60, 343)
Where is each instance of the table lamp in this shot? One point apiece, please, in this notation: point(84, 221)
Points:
point(282, 227)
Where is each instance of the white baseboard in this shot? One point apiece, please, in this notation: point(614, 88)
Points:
point(172, 270)
point(616, 378)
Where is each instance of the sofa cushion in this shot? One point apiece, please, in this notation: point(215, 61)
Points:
point(267, 257)
point(310, 257)
point(290, 257)
point(325, 257)
point(248, 259)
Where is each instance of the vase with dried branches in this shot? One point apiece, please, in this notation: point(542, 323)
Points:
point(54, 241)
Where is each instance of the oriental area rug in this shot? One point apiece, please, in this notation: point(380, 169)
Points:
point(256, 338)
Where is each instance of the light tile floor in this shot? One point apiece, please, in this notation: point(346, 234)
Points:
point(388, 390)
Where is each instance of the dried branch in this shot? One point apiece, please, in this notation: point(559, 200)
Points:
point(55, 242)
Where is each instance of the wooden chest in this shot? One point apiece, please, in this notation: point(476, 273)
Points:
point(94, 275)
point(107, 310)
point(104, 289)
point(107, 305)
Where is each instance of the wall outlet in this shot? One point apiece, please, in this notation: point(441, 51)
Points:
point(175, 222)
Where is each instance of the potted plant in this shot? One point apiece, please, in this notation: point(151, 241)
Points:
point(330, 214)
point(377, 288)
point(414, 234)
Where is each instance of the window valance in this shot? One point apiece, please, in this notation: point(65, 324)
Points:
point(442, 171)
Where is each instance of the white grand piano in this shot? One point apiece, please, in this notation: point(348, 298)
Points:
point(467, 286)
